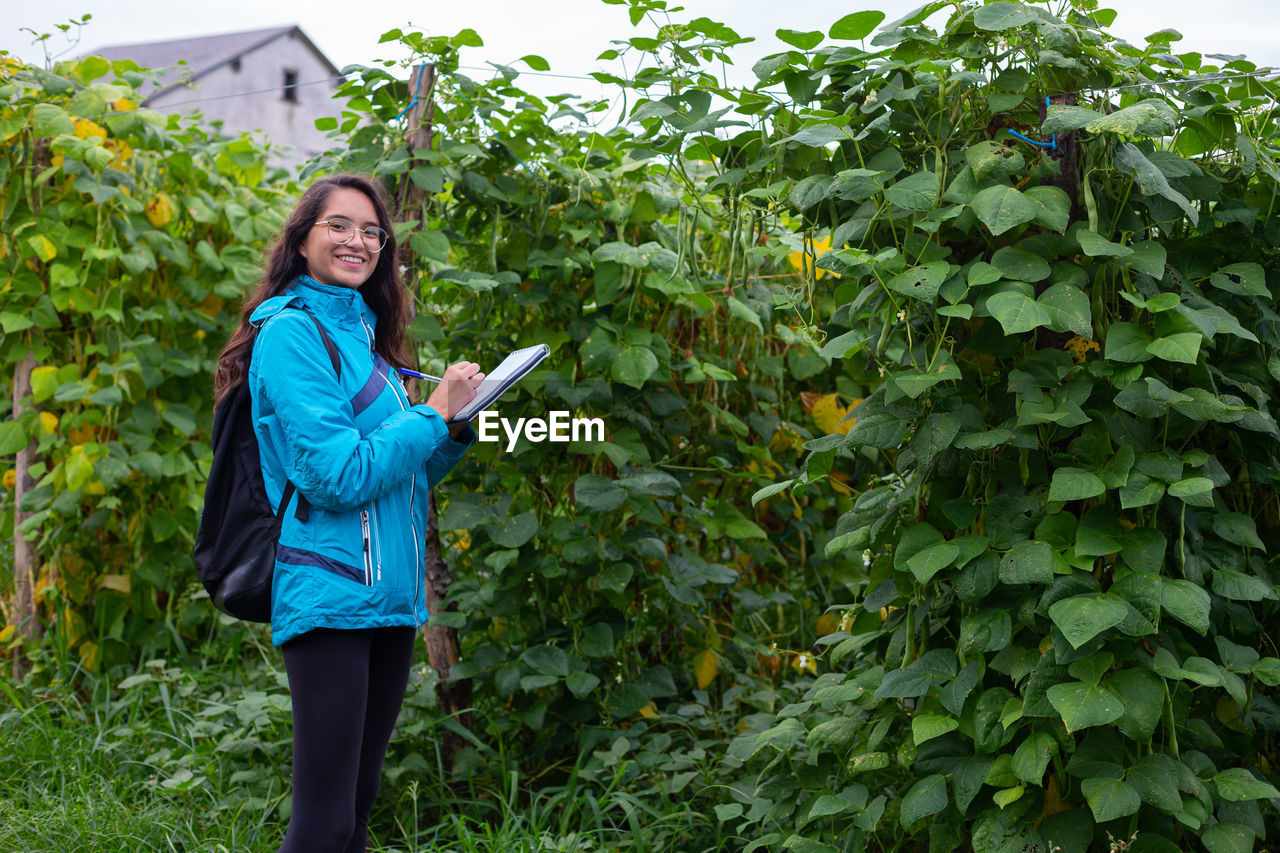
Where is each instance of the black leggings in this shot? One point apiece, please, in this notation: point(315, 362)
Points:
point(346, 687)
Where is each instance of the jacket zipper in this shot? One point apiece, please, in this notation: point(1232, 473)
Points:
point(368, 563)
point(377, 546)
point(413, 486)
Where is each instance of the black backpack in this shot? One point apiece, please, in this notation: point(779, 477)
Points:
point(235, 550)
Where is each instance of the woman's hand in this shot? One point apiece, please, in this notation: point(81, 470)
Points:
point(457, 389)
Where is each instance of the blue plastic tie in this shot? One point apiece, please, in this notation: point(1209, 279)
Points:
point(414, 101)
point(1053, 143)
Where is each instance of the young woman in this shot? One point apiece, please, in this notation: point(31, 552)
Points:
point(349, 585)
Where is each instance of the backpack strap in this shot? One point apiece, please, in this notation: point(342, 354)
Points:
point(303, 511)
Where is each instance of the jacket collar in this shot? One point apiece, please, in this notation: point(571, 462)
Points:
point(344, 306)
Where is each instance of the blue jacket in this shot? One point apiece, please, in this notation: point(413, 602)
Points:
point(361, 454)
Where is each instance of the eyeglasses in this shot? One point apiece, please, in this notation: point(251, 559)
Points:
point(342, 231)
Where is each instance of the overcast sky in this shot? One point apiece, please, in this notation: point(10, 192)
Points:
point(570, 33)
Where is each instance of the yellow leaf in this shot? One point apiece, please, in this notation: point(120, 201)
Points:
point(10, 483)
point(828, 413)
point(7, 632)
point(1228, 713)
point(160, 210)
point(706, 665)
point(1079, 347)
point(819, 246)
point(650, 712)
point(827, 624)
point(44, 248)
point(49, 421)
point(804, 662)
point(89, 655)
point(783, 438)
point(124, 105)
point(120, 583)
point(86, 129)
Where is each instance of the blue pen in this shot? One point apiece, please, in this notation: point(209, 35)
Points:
point(407, 372)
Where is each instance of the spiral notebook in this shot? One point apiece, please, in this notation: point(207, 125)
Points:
point(513, 368)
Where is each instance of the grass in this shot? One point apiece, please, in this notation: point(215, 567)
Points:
point(195, 756)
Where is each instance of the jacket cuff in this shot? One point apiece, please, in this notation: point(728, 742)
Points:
point(439, 429)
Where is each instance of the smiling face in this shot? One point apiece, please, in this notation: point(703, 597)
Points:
point(348, 265)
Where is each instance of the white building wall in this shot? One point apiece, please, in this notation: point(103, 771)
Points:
point(284, 122)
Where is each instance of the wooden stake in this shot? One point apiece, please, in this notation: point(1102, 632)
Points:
point(24, 555)
point(443, 648)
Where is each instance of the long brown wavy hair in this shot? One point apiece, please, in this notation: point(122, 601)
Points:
point(383, 292)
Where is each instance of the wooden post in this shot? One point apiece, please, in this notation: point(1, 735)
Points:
point(1066, 179)
point(24, 555)
point(422, 114)
point(443, 649)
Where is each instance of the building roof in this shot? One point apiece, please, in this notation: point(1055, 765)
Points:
point(201, 55)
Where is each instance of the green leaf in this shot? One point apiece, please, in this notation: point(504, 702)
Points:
point(1033, 756)
point(1017, 312)
point(932, 560)
point(1143, 693)
point(1126, 342)
point(1068, 309)
point(597, 493)
point(921, 282)
point(546, 660)
point(1242, 279)
point(926, 797)
point(1030, 561)
point(1186, 602)
point(917, 192)
point(1238, 529)
point(1155, 778)
point(1267, 670)
point(1140, 490)
point(1148, 257)
point(581, 684)
point(1130, 160)
point(1001, 16)
point(50, 120)
point(1083, 617)
point(985, 631)
point(809, 191)
point(928, 671)
point(1110, 798)
point(1054, 207)
point(1163, 302)
point(856, 26)
point(1095, 246)
point(804, 41)
point(846, 345)
point(1239, 784)
point(770, 490)
point(1020, 265)
point(1225, 837)
point(12, 438)
point(1075, 484)
point(514, 532)
point(1065, 119)
point(633, 365)
point(929, 726)
point(1183, 347)
point(537, 63)
point(742, 311)
point(1002, 208)
point(1191, 487)
point(818, 135)
point(1082, 705)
